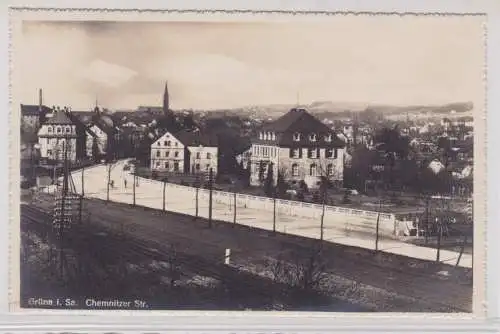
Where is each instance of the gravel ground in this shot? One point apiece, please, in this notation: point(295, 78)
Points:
point(384, 282)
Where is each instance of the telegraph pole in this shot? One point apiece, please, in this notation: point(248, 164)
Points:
point(83, 180)
point(197, 196)
point(426, 219)
point(211, 186)
point(63, 213)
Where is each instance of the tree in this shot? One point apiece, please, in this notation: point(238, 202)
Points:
point(261, 171)
point(269, 182)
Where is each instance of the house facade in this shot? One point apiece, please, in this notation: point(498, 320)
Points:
point(186, 151)
point(300, 148)
point(56, 135)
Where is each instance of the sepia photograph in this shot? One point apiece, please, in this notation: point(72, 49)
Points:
point(319, 164)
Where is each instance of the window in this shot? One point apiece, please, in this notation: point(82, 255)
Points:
point(261, 136)
point(165, 143)
point(273, 136)
point(176, 154)
point(329, 153)
point(166, 165)
point(176, 166)
point(49, 152)
point(168, 143)
point(49, 129)
point(266, 151)
point(158, 144)
point(329, 169)
point(158, 153)
point(312, 137)
point(295, 153)
point(198, 155)
point(157, 164)
point(335, 153)
point(266, 135)
point(296, 136)
point(328, 138)
point(209, 155)
point(59, 130)
point(311, 153)
point(207, 167)
point(295, 170)
point(176, 144)
point(167, 153)
point(312, 170)
point(197, 167)
point(68, 129)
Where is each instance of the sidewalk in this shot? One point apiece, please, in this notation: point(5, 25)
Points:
point(149, 193)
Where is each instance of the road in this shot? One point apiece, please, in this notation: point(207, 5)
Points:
point(149, 193)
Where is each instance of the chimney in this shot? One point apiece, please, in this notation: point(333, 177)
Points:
point(40, 100)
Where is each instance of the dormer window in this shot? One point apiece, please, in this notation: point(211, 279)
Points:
point(49, 129)
point(68, 129)
point(59, 130)
point(273, 136)
point(328, 138)
point(266, 135)
point(296, 136)
point(261, 136)
point(312, 137)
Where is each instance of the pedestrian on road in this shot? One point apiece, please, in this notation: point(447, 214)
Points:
point(125, 183)
point(112, 184)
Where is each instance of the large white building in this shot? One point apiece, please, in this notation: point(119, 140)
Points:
point(57, 134)
point(186, 151)
point(299, 147)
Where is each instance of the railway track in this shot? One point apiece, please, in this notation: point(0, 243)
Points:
point(111, 245)
point(405, 282)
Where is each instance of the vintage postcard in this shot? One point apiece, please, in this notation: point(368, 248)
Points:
point(250, 162)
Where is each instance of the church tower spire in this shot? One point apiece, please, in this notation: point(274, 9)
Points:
point(166, 105)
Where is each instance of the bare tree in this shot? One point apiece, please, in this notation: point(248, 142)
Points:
point(303, 271)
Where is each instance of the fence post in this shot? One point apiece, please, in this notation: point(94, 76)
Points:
point(83, 180)
point(440, 231)
point(197, 200)
point(164, 198)
point(211, 180)
point(461, 251)
point(378, 225)
point(234, 207)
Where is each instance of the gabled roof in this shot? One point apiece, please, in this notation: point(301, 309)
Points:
point(302, 122)
point(60, 117)
point(196, 138)
point(33, 110)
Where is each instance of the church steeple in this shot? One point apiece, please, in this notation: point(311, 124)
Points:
point(166, 105)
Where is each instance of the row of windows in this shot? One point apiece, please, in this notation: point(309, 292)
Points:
point(296, 136)
point(314, 153)
point(264, 151)
point(313, 170)
point(167, 153)
point(59, 129)
point(166, 165)
point(312, 137)
point(167, 143)
point(176, 154)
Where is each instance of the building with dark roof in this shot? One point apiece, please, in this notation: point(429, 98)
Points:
point(299, 147)
point(57, 135)
point(186, 151)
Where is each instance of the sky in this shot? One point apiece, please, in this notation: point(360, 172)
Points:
point(378, 60)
